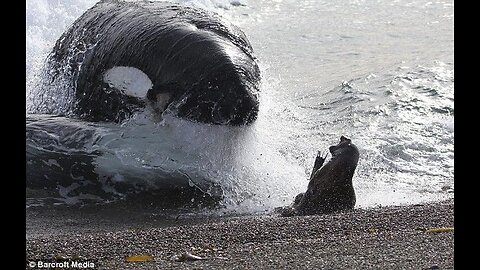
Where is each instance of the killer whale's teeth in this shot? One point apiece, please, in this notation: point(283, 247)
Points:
point(130, 80)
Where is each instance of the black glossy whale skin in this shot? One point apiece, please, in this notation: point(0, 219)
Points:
point(204, 64)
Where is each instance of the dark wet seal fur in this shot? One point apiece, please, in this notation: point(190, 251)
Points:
point(330, 188)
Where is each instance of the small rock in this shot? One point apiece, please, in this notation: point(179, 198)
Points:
point(61, 258)
point(186, 257)
point(440, 230)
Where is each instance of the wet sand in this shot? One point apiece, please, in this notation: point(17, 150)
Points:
point(393, 237)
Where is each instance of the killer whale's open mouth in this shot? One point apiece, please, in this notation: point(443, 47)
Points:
point(232, 103)
point(220, 100)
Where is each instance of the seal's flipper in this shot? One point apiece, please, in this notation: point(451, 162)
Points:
point(319, 160)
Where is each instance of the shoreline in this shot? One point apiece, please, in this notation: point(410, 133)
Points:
point(385, 237)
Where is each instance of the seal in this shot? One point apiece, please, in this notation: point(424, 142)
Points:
point(123, 56)
point(330, 188)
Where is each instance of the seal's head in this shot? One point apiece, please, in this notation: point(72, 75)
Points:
point(346, 150)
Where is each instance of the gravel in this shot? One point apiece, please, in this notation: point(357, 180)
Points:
point(392, 237)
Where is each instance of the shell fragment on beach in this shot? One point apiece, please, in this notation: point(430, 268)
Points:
point(139, 258)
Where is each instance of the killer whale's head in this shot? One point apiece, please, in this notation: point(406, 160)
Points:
point(193, 64)
point(220, 99)
point(209, 79)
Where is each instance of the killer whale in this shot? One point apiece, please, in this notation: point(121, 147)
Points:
point(197, 65)
point(64, 165)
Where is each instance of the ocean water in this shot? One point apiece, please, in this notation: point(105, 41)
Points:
point(378, 72)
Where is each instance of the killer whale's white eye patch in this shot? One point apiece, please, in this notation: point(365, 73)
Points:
point(131, 81)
